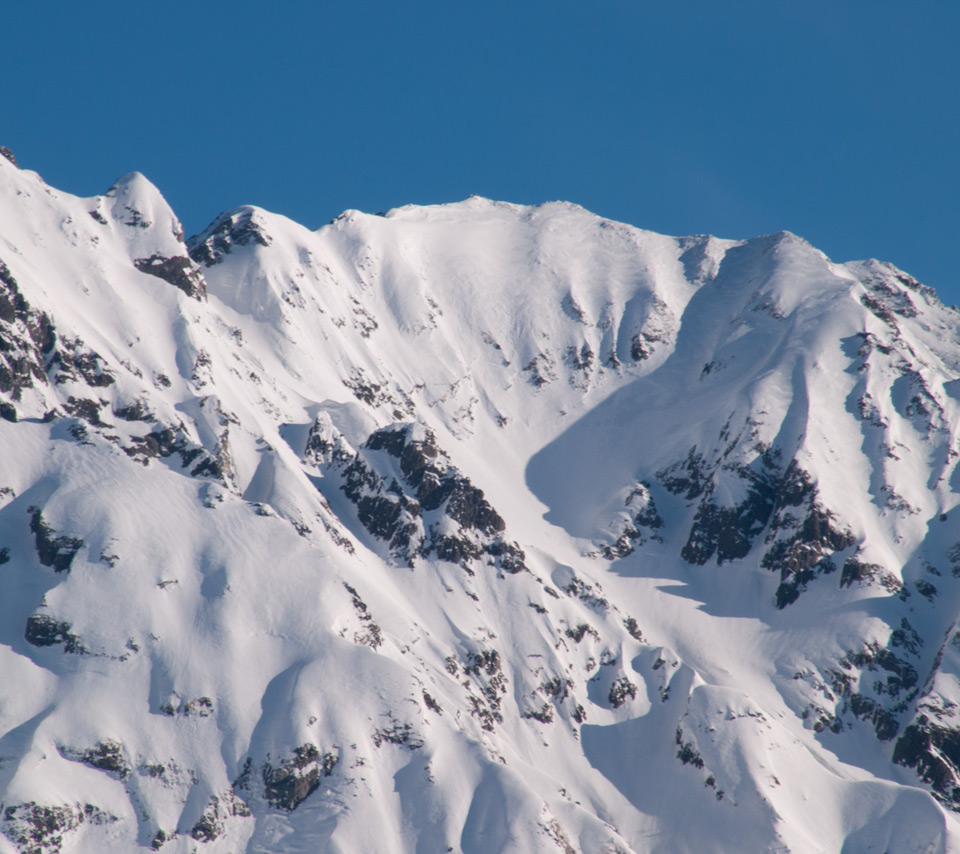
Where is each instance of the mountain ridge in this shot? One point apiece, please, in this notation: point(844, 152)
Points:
point(471, 527)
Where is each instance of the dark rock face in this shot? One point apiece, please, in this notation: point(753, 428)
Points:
point(691, 477)
point(201, 707)
point(402, 735)
point(580, 631)
point(73, 361)
point(38, 829)
point(136, 411)
point(877, 684)
point(433, 486)
point(26, 338)
point(105, 756)
point(179, 271)
point(379, 394)
point(325, 445)
point(484, 668)
point(370, 635)
point(639, 349)
point(886, 301)
point(930, 743)
point(687, 752)
point(85, 409)
point(53, 551)
point(404, 494)
point(287, 791)
point(891, 695)
point(933, 751)
point(32, 354)
point(238, 228)
point(44, 630)
point(589, 594)
point(289, 783)
point(6, 152)
point(211, 824)
point(541, 369)
point(801, 534)
point(645, 523)
point(856, 571)
point(164, 442)
point(159, 839)
point(727, 532)
point(620, 691)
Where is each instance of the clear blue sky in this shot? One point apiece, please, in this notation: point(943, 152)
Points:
point(836, 119)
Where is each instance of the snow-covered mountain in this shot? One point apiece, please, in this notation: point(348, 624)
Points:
point(469, 528)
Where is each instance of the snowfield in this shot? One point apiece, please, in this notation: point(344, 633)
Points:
point(469, 528)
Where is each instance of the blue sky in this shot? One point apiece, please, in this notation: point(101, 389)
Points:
point(836, 119)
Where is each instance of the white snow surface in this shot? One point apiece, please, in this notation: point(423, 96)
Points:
point(706, 601)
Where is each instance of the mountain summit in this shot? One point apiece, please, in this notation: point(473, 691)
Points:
point(472, 528)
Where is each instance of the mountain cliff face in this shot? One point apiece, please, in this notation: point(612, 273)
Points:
point(469, 528)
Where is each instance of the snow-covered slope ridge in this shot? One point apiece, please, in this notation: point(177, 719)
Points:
point(471, 528)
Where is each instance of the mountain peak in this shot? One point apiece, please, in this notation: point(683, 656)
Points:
point(475, 527)
point(149, 223)
point(246, 225)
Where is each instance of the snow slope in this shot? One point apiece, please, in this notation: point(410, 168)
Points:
point(472, 528)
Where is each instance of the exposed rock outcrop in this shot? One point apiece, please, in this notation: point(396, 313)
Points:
point(408, 495)
point(180, 271)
